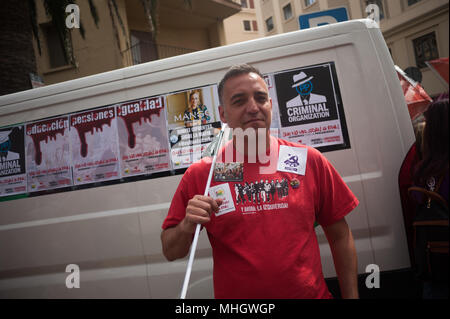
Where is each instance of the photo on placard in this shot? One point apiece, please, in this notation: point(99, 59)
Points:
point(193, 107)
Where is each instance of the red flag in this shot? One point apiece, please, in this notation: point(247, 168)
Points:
point(416, 98)
point(440, 68)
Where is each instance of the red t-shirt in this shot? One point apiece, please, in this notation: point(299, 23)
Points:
point(264, 244)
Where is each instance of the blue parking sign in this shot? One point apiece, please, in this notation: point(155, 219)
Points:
point(317, 19)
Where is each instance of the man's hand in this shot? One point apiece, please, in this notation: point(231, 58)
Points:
point(198, 211)
point(177, 240)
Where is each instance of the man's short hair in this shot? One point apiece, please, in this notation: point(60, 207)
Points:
point(234, 71)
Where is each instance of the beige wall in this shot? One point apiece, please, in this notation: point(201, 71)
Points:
point(234, 27)
point(401, 25)
point(98, 52)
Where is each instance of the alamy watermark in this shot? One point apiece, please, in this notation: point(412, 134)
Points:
point(73, 279)
point(373, 279)
point(250, 145)
point(373, 12)
point(73, 19)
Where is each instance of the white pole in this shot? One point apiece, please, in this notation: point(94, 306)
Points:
point(197, 229)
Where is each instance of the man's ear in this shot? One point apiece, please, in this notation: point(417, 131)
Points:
point(222, 114)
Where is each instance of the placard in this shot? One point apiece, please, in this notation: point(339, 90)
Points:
point(47, 154)
point(143, 140)
point(94, 146)
point(193, 121)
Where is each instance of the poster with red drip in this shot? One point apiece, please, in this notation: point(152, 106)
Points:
point(94, 146)
point(143, 141)
point(47, 154)
point(13, 179)
point(193, 121)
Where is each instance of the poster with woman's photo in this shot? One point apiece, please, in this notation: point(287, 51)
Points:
point(310, 106)
point(193, 120)
point(47, 152)
point(12, 161)
point(143, 140)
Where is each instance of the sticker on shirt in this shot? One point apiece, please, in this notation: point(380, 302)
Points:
point(223, 192)
point(261, 195)
point(292, 159)
point(229, 172)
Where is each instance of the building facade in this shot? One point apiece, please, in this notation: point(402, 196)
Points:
point(123, 36)
point(415, 30)
point(244, 25)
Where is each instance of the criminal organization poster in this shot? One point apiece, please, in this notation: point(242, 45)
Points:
point(310, 106)
point(12, 161)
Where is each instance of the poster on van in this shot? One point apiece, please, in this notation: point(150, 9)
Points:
point(193, 121)
point(189, 143)
point(47, 152)
point(310, 106)
point(94, 146)
point(12, 161)
point(142, 131)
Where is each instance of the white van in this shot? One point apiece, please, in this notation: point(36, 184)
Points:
point(108, 225)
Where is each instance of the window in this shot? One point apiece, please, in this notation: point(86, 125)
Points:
point(425, 49)
point(250, 25)
point(309, 2)
point(255, 25)
point(379, 3)
point(248, 4)
point(143, 48)
point(269, 24)
point(411, 2)
point(57, 56)
point(247, 26)
point(287, 11)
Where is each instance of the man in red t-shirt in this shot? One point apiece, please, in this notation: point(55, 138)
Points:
point(262, 248)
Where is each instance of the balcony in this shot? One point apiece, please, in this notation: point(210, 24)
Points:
point(146, 51)
point(179, 14)
point(182, 27)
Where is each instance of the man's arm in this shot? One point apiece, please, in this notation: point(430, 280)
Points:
point(177, 240)
point(343, 250)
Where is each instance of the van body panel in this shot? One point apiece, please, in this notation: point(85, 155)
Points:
point(113, 232)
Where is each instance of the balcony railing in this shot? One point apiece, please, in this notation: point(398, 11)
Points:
point(149, 51)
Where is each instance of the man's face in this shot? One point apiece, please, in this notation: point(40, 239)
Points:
point(246, 102)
